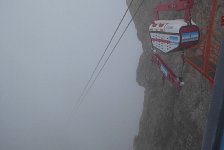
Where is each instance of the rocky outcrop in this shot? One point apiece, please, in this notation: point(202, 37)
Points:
point(170, 120)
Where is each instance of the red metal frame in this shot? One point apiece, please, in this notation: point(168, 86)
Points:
point(209, 49)
point(166, 71)
point(222, 21)
point(177, 5)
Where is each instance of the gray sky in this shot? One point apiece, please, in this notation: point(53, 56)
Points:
point(48, 49)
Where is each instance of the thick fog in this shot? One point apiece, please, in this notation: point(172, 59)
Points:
point(48, 50)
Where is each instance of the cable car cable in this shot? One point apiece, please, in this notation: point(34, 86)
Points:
point(105, 50)
point(90, 87)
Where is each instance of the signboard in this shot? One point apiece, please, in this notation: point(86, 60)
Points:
point(190, 36)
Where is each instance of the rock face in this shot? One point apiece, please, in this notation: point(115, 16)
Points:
point(170, 120)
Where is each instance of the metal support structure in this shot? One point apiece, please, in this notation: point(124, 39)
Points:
point(209, 37)
point(177, 5)
point(167, 72)
point(206, 63)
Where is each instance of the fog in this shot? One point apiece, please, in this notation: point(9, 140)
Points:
point(48, 50)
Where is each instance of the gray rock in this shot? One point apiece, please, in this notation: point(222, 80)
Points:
point(170, 120)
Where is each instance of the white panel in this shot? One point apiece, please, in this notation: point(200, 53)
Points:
point(166, 42)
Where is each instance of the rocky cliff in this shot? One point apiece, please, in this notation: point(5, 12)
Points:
point(170, 120)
